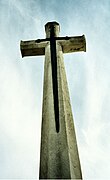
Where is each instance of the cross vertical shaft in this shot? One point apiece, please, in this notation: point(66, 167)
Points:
point(59, 153)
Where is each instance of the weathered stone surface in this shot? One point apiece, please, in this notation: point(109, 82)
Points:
point(59, 154)
point(68, 44)
point(59, 157)
point(37, 47)
point(32, 48)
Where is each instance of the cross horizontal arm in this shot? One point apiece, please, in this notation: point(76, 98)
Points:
point(37, 47)
point(73, 44)
point(31, 48)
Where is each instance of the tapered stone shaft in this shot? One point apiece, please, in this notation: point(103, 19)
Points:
point(59, 157)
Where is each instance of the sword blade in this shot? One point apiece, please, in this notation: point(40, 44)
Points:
point(54, 77)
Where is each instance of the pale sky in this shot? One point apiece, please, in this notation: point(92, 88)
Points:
point(21, 84)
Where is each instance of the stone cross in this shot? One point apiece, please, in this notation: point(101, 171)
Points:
point(59, 158)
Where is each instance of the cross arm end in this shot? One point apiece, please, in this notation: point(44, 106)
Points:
point(73, 44)
point(32, 48)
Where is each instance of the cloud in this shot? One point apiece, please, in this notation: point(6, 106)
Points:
point(19, 119)
point(22, 83)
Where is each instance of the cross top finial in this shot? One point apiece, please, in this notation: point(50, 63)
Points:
point(49, 26)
